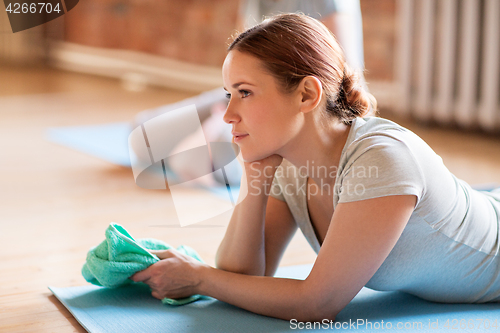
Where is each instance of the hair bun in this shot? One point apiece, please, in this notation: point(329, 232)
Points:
point(352, 99)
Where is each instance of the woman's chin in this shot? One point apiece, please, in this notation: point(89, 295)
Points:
point(252, 157)
point(247, 157)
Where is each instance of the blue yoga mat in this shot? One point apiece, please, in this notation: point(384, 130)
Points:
point(133, 309)
point(108, 142)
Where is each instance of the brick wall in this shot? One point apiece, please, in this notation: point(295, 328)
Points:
point(379, 28)
point(197, 31)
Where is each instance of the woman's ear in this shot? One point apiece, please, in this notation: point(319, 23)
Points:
point(310, 91)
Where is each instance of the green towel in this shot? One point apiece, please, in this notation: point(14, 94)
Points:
point(119, 256)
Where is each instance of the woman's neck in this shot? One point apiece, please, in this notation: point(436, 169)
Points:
point(316, 150)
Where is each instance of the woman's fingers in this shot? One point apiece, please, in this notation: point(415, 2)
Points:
point(162, 254)
point(174, 276)
point(142, 276)
point(156, 295)
point(145, 275)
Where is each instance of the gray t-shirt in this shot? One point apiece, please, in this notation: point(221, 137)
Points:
point(449, 250)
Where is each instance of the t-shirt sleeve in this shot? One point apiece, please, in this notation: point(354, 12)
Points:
point(276, 189)
point(381, 167)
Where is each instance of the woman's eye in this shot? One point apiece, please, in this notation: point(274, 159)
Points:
point(244, 93)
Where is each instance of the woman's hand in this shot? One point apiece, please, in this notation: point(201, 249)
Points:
point(261, 169)
point(266, 165)
point(258, 175)
point(175, 276)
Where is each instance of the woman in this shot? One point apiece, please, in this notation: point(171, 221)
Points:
point(342, 17)
point(386, 214)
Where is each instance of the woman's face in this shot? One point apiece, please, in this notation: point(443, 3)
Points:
point(263, 118)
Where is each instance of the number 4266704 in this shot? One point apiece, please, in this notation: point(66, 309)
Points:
point(18, 8)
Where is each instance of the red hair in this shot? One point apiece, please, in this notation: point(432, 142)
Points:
point(293, 46)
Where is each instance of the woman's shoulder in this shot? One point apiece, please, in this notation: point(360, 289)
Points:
point(376, 132)
point(382, 143)
point(377, 126)
point(381, 158)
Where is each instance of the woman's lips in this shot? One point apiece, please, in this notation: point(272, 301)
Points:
point(239, 137)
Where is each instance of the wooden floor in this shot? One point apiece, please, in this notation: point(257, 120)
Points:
point(55, 203)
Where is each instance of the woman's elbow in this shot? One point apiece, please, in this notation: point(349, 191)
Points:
point(319, 306)
point(317, 314)
point(238, 268)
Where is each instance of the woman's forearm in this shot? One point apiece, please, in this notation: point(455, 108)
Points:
point(242, 249)
point(275, 297)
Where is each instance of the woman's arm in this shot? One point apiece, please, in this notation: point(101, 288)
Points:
point(259, 230)
point(242, 248)
point(360, 236)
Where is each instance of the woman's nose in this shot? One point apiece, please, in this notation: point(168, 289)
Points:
point(230, 116)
